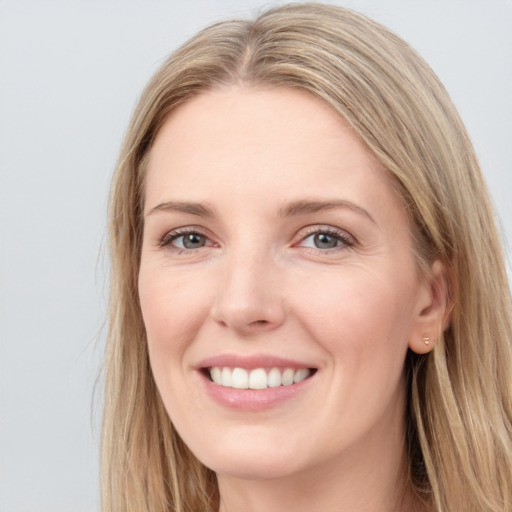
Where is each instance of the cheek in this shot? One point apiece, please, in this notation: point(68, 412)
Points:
point(357, 314)
point(362, 323)
point(173, 307)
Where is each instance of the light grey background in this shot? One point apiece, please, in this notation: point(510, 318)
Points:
point(70, 73)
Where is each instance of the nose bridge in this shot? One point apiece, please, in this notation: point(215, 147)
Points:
point(248, 297)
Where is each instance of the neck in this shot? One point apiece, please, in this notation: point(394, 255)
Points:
point(375, 488)
point(326, 491)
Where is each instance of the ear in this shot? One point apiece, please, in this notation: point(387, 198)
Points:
point(432, 313)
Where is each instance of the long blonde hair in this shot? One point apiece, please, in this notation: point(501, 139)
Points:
point(459, 424)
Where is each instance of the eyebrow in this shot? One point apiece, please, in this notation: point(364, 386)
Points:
point(305, 206)
point(294, 208)
point(190, 207)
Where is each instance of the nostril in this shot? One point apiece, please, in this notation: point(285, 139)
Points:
point(259, 324)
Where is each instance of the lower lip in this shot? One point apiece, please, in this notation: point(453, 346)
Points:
point(253, 399)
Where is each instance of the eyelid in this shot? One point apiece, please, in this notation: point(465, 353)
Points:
point(173, 234)
point(347, 240)
point(344, 236)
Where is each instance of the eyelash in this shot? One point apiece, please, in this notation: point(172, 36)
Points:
point(170, 237)
point(346, 240)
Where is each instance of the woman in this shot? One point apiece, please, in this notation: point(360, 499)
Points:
point(309, 305)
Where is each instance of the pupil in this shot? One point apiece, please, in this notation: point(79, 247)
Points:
point(193, 241)
point(324, 241)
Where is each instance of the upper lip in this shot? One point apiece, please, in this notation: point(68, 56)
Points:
point(251, 362)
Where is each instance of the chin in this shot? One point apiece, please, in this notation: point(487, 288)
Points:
point(251, 469)
point(256, 460)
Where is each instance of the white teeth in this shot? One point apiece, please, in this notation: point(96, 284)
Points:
point(274, 378)
point(258, 379)
point(287, 378)
point(226, 377)
point(239, 378)
point(300, 375)
point(216, 375)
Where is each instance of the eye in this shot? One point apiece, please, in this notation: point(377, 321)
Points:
point(325, 239)
point(185, 240)
point(189, 241)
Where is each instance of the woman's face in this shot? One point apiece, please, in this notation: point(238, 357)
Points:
point(275, 250)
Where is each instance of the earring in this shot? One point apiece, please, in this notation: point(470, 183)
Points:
point(426, 340)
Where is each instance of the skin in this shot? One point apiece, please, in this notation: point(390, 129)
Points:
point(256, 282)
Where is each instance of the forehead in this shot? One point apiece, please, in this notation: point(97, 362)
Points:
point(266, 144)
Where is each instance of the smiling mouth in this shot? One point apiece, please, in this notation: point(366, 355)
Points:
point(258, 378)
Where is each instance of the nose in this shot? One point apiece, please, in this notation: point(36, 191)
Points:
point(250, 299)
